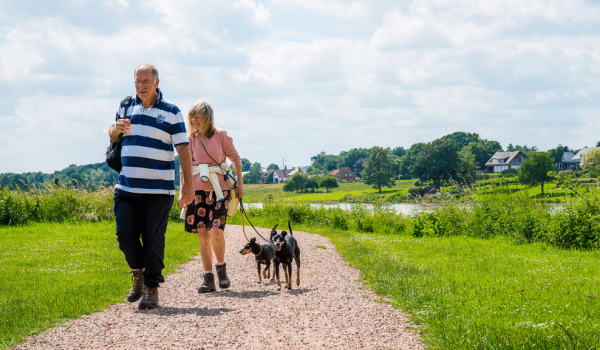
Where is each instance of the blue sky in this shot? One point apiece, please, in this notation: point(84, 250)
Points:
point(290, 79)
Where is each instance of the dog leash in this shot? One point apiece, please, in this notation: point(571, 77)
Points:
point(243, 225)
point(244, 230)
point(244, 213)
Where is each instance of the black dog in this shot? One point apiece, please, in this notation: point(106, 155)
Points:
point(263, 254)
point(286, 250)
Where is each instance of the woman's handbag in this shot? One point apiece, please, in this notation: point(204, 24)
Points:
point(113, 152)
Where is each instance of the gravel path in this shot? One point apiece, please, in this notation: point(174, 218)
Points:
point(330, 309)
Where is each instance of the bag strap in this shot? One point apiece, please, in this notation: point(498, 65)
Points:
point(126, 103)
point(218, 164)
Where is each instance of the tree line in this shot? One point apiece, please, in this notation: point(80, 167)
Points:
point(457, 156)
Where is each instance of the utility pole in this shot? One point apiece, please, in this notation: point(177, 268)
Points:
point(283, 163)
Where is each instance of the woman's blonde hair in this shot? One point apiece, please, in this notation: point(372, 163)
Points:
point(202, 110)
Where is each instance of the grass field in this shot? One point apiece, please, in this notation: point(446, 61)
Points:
point(484, 294)
point(348, 191)
point(58, 271)
point(360, 192)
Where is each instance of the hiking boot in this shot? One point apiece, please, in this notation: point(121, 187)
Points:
point(135, 293)
point(222, 274)
point(208, 285)
point(149, 299)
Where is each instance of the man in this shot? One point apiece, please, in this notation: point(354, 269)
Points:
point(146, 185)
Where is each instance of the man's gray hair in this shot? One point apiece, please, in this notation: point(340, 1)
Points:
point(147, 65)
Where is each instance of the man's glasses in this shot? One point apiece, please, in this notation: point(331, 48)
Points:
point(144, 82)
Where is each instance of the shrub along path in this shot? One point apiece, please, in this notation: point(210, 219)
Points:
point(330, 309)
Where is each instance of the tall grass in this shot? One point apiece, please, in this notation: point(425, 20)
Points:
point(60, 203)
point(574, 224)
point(55, 204)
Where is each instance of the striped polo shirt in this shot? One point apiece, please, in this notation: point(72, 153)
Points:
point(148, 148)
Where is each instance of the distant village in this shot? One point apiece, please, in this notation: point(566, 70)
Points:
point(499, 162)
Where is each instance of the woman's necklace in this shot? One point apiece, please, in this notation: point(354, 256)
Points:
point(202, 138)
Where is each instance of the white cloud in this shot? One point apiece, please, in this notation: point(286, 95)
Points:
point(346, 74)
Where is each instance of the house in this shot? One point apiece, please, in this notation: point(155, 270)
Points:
point(567, 162)
point(300, 169)
point(505, 160)
point(343, 174)
point(276, 176)
point(577, 158)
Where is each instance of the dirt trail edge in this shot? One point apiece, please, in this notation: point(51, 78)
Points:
point(331, 309)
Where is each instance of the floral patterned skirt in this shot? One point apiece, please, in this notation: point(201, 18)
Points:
point(205, 212)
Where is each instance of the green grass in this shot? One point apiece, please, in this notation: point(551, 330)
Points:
point(469, 293)
point(58, 271)
point(497, 272)
point(347, 191)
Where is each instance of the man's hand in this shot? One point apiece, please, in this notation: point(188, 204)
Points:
point(239, 191)
point(186, 196)
point(121, 127)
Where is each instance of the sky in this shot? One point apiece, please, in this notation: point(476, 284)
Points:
point(289, 79)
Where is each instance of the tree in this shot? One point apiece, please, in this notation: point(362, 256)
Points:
point(438, 161)
point(316, 171)
point(5, 181)
point(255, 174)
point(273, 166)
point(378, 169)
point(537, 169)
point(461, 139)
point(348, 159)
point(329, 182)
point(483, 150)
point(557, 153)
point(19, 181)
point(406, 161)
point(466, 166)
point(598, 144)
point(325, 162)
point(591, 162)
point(527, 151)
point(297, 182)
point(246, 165)
point(312, 183)
point(398, 151)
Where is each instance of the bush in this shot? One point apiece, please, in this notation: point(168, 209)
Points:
point(509, 172)
point(55, 204)
point(416, 192)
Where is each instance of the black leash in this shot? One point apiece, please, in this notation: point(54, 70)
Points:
point(227, 174)
point(244, 213)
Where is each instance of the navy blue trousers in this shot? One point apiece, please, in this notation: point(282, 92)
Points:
point(143, 216)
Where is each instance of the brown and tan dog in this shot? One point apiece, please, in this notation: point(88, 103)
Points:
point(263, 254)
point(286, 250)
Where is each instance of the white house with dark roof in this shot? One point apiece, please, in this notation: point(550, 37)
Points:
point(577, 158)
point(567, 162)
point(505, 160)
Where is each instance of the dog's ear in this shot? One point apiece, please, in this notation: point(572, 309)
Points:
point(283, 233)
point(253, 240)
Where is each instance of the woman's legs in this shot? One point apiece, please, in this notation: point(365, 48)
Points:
point(218, 241)
point(205, 250)
point(218, 246)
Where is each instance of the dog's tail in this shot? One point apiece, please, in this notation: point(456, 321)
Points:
point(290, 227)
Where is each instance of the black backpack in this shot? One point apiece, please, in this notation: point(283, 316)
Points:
point(113, 152)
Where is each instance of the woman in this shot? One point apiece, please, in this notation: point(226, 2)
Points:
point(207, 214)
